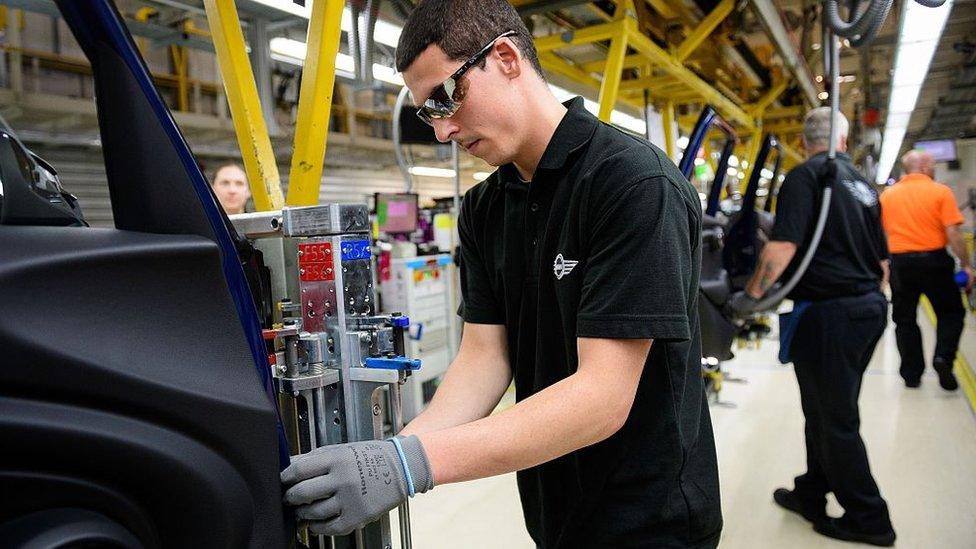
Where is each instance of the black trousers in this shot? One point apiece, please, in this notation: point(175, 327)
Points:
point(932, 274)
point(831, 349)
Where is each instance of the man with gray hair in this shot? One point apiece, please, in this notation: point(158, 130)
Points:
point(839, 313)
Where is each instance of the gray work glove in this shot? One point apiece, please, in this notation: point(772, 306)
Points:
point(741, 304)
point(342, 487)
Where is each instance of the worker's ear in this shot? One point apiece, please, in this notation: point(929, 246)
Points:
point(509, 58)
point(842, 143)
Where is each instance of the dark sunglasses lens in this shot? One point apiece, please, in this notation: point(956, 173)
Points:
point(422, 114)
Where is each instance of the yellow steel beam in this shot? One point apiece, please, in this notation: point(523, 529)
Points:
point(630, 62)
point(245, 107)
point(791, 156)
point(784, 112)
point(556, 65)
point(668, 119)
point(315, 103)
point(664, 8)
point(661, 59)
point(784, 129)
point(596, 33)
point(704, 29)
point(654, 83)
point(679, 97)
point(553, 63)
point(613, 72)
point(757, 108)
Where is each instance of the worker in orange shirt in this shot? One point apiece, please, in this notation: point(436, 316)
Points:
point(921, 217)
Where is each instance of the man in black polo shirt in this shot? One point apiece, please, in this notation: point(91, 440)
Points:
point(840, 314)
point(579, 274)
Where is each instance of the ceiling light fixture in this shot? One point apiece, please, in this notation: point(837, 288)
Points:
point(918, 37)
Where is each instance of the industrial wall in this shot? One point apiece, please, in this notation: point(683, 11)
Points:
point(83, 174)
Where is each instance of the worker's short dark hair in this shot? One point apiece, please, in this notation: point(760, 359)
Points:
point(461, 28)
point(225, 165)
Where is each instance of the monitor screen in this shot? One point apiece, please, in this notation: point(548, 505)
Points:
point(942, 150)
point(396, 212)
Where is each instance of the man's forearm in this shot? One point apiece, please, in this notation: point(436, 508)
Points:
point(564, 417)
point(464, 395)
point(776, 256)
point(578, 411)
point(957, 243)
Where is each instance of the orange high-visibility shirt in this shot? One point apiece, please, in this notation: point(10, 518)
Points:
point(915, 213)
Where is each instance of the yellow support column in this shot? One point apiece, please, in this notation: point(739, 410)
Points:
point(181, 59)
point(315, 103)
point(669, 137)
point(612, 75)
point(245, 107)
point(755, 143)
point(142, 15)
point(613, 69)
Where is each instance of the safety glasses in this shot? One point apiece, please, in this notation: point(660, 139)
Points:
point(447, 97)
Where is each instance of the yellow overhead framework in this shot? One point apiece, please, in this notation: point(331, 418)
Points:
point(758, 108)
point(704, 29)
point(315, 103)
point(672, 82)
point(245, 107)
point(625, 31)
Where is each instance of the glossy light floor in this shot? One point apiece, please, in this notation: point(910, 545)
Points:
point(921, 443)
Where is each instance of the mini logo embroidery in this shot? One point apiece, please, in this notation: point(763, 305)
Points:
point(562, 267)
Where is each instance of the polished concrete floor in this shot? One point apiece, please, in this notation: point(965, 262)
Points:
point(921, 443)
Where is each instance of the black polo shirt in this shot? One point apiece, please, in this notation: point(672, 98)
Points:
point(848, 260)
point(604, 242)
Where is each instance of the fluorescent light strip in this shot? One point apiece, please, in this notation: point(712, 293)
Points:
point(430, 172)
point(384, 33)
point(291, 51)
point(918, 39)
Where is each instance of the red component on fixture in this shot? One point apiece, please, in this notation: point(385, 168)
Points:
point(315, 262)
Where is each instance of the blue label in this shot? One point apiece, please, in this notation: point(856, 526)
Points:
point(355, 249)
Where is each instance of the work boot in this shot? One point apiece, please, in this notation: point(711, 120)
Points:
point(914, 383)
point(789, 500)
point(947, 379)
point(839, 528)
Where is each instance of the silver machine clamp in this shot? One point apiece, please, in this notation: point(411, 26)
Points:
point(337, 365)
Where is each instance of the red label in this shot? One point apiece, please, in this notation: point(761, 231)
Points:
point(315, 262)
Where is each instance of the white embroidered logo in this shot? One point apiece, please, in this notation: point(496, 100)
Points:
point(562, 267)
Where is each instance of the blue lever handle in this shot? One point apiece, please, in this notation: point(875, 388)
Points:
point(394, 363)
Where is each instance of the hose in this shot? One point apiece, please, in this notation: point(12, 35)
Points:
point(401, 100)
point(860, 30)
point(770, 301)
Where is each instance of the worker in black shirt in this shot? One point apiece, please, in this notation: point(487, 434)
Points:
point(840, 313)
point(579, 275)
